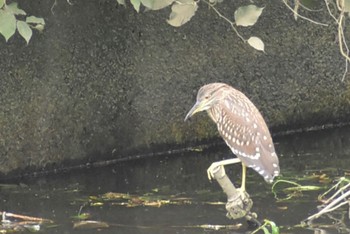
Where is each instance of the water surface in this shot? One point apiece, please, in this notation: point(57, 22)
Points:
point(182, 178)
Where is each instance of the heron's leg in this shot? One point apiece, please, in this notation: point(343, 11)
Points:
point(244, 172)
point(214, 166)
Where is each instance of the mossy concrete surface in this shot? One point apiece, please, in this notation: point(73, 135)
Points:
point(102, 81)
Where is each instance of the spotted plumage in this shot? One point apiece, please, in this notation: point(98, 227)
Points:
point(241, 125)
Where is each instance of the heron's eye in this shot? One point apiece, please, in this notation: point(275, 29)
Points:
point(207, 97)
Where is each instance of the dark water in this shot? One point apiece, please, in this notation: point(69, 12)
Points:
point(60, 197)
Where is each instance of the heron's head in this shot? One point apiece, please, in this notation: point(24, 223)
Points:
point(207, 96)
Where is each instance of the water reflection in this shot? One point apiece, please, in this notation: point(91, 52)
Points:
point(59, 197)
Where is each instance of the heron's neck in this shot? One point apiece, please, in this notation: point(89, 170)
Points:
point(214, 113)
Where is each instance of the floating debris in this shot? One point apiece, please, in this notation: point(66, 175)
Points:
point(90, 224)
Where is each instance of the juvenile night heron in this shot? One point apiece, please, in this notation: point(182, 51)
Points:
point(242, 127)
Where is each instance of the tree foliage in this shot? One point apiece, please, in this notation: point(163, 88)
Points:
point(13, 18)
point(183, 10)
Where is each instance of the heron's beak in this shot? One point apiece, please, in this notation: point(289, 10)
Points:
point(196, 108)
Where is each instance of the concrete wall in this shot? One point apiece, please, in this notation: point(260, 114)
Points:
point(103, 82)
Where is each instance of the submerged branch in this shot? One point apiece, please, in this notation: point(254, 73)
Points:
point(238, 202)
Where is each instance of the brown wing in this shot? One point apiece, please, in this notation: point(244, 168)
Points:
point(244, 130)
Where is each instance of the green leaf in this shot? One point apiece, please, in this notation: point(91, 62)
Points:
point(256, 43)
point(346, 6)
point(39, 27)
point(136, 4)
point(147, 3)
point(2, 3)
point(266, 231)
point(82, 216)
point(181, 12)
point(7, 24)
point(90, 224)
point(215, 1)
point(121, 2)
point(247, 15)
point(156, 4)
point(24, 30)
point(35, 20)
point(13, 7)
point(274, 228)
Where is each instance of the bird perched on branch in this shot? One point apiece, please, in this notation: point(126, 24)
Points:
point(242, 127)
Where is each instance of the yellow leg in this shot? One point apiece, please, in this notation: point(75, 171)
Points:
point(222, 163)
point(244, 171)
point(213, 167)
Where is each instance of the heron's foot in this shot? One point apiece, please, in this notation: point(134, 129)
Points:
point(214, 167)
point(242, 188)
point(241, 191)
